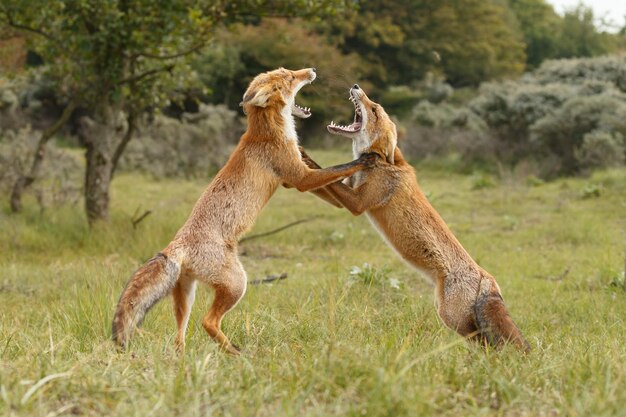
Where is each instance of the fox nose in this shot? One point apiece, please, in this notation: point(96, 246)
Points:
point(314, 69)
point(356, 86)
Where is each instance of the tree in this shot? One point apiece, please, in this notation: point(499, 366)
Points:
point(469, 41)
point(114, 60)
point(539, 23)
point(579, 36)
point(243, 51)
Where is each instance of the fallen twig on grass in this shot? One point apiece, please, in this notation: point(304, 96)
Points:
point(136, 220)
point(268, 279)
point(278, 230)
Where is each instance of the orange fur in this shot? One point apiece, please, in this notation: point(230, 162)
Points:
point(205, 248)
point(468, 298)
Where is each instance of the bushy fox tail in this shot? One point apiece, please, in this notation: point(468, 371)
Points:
point(151, 282)
point(495, 325)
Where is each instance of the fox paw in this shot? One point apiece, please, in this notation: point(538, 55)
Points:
point(368, 159)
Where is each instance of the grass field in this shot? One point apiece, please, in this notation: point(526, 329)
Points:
point(323, 342)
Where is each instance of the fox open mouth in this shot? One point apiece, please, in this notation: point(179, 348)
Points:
point(356, 124)
point(301, 112)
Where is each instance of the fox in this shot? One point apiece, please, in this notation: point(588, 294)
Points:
point(467, 298)
point(205, 248)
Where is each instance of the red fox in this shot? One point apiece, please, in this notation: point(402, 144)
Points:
point(467, 297)
point(205, 248)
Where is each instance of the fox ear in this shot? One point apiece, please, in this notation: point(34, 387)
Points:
point(386, 145)
point(392, 142)
point(391, 149)
point(258, 97)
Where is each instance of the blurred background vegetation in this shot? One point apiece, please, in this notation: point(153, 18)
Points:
point(489, 85)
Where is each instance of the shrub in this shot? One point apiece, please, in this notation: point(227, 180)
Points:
point(566, 117)
point(468, 149)
point(60, 175)
point(601, 149)
point(610, 69)
point(195, 146)
point(401, 99)
point(511, 108)
point(445, 116)
point(599, 119)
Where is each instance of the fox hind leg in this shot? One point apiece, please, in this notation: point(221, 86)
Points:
point(184, 293)
point(228, 292)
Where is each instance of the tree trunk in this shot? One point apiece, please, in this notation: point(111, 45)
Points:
point(98, 138)
point(103, 151)
point(24, 181)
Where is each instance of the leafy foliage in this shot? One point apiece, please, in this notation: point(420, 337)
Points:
point(243, 51)
point(610, 69)
point(587, 129)
point(537, 22)
point(469, 40)
point(110, 52)
point(118, 59)
point(579, 37)
point(569, 115)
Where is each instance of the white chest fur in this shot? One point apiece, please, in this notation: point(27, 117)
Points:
point(359, 145)
point(290, 124)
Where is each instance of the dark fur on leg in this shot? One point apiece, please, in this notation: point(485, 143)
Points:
point(495, 325)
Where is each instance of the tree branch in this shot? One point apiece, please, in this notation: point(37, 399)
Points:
point(12, 23)
point(132, 124)
point(268, 279)
point(280, 229)
point(141, 76)
point(24, 181)
point(135, 221)
point(174, 55)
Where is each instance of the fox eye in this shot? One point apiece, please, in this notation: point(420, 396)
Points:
point(374, 111)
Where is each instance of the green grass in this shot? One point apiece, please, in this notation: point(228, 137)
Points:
point(324, 341)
